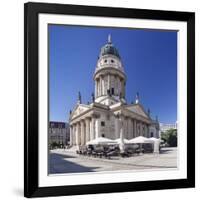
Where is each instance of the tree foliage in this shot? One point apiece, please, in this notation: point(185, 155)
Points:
point(170, 137)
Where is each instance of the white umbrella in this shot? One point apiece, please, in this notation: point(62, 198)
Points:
point(118, 140)
point(100, 140)
point(154, 139)
point(140, 140)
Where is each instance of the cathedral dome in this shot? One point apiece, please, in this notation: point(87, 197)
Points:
point(109, 49)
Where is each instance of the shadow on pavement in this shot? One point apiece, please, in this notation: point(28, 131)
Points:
point(163, 151)
point(57, 164)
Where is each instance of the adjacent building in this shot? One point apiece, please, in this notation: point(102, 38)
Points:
point(109, 115)
point(59, 133)
point(165, 127)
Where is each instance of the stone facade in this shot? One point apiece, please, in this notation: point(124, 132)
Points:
point(59, 132)
point(109, 115)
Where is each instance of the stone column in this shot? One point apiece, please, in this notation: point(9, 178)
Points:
point(141, 129)
point(109, 81)
point(117, 127)
point(92, 129)
point(146, 132)
point(117, 88)
point(122, 88)
point(132, 131)
point(138, 128)
point(130, 128)
point(74, 134)
point(97, 131)
point(135, 128)
point(71, 135)
point(115, 85)
point(125, 126)
point(82, 133)
point(87, 134)
point(100, 88)
point(77, 134)
point(103, 84)
point(96, 89)
point(91, 138)
point(121, 122)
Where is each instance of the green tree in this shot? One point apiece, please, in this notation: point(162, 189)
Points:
point(170, 137)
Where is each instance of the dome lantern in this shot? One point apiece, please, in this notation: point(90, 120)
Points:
point(109, 49)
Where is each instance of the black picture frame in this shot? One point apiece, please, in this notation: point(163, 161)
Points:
point(31, 12)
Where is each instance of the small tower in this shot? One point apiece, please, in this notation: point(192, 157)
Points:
point(148, 112)
point(137, 98)
point(109, 39)
point(79, 98)
point(92, 96)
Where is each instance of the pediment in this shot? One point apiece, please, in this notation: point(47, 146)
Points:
point(138, 109)
point(79, 109)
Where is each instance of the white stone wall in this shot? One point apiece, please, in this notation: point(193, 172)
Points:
point(108, 130)
point(110, 77)
point(153, 132)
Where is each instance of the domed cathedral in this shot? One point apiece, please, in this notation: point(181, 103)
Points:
point(109, 115)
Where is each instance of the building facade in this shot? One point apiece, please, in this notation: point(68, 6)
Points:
point(109, 115)
point(59, 133)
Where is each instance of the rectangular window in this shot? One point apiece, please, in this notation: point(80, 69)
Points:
point(112, 91)
point(102, 123)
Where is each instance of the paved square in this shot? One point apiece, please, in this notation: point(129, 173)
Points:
point(66, 161)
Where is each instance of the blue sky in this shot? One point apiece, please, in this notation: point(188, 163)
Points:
point(149, 58)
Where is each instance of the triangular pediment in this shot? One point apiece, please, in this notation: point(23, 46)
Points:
point(138, 109)
point(80, 108)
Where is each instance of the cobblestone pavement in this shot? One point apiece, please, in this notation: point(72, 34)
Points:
point(66, 161)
